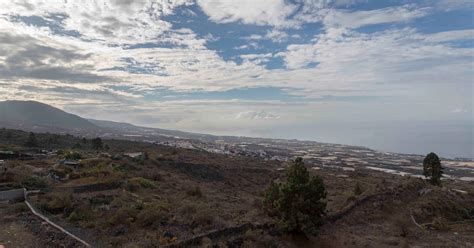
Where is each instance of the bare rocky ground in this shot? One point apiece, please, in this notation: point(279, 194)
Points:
point(20, 228)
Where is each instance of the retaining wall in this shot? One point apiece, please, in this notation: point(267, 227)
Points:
point(12, 195)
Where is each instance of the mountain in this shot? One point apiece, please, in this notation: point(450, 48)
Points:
point(42, 117)
point(39, 117)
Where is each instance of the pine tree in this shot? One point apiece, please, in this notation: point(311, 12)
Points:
point(299, 202)
point(432, 168)
point(31, 142)
point(97, 144)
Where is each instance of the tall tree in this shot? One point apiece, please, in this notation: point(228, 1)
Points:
point(432, 168)
point(299, 202)
point(97, 143)
point(31, 142)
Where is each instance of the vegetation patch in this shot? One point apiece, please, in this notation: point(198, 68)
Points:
point(137, 183)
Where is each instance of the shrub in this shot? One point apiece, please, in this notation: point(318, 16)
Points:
point(432, 168)
point(124, 215)
point(34, 182)
point(187, 208)
point(20, 207)
point(402, 226)
point(72, 155)
point(137, 183)
point(194, 191)
point(151, 214)
point(440, 223)
point(80, 215)
point(297, 203)
point(58, 202)
point(357, 189)
point(203, 218)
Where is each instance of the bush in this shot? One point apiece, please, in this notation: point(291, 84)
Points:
point(402, 226)
point(34, 182)
point(124, 215)
point(152, 214)
point(203, 218)
point(194, 191)
point(80, 215)
point(440, 223)
point(298, 203)
point(58, 202)
point(72, 155)
point(137, 183)
point(357, 189)
point(187, 208)
point(20, 207)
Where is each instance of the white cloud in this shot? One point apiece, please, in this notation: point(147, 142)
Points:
point(261, 12)
point(256, 115)
point(349, 64)
point(257, 59)
point(466, 34)
point(112, 22)
point(276, 35)
point(356, 19)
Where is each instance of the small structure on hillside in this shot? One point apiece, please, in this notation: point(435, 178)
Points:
point(57, 175)
point(8, 154)
point(69, 162)
point(105, 155)
point(12, 195)
point(135, 155)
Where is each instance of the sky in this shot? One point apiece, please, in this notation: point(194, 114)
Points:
point(392, 75)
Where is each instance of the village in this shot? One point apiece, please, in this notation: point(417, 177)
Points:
point(324, 155)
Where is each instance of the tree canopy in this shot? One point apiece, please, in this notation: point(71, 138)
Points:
point(97, 143)
point(299, 202)
point(32, 141)
point(432, 168)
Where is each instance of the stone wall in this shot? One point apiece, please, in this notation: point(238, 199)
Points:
point(12, 195)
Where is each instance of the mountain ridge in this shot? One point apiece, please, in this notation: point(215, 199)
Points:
point(33, 113)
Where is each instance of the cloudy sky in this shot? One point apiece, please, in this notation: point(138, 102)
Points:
point(394, 75)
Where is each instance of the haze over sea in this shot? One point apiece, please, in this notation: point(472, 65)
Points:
point(449, 140)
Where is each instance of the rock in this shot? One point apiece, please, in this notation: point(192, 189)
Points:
point(424, 191)
point(120, 231)
point(168, 234)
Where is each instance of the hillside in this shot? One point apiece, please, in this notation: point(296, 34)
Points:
point(32, 114)
point(190, 198)
point(40, 117)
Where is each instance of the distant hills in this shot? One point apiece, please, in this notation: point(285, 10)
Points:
point(36, 115)
point(40, 117)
